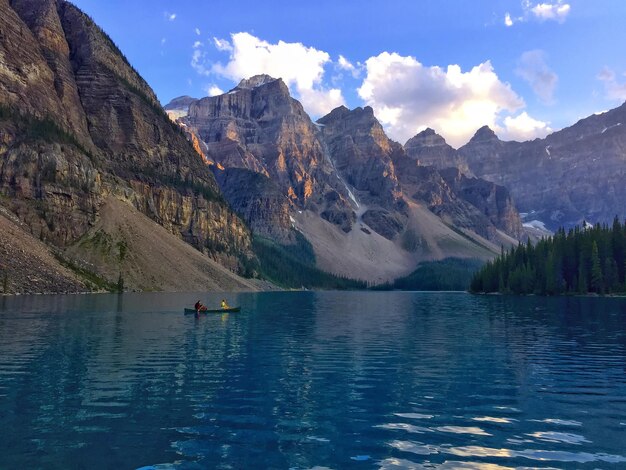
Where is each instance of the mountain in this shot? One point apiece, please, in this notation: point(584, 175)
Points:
point(367, 209)
point(575, 174)
point(79, 126)
point(259, 127)
point(431, 149)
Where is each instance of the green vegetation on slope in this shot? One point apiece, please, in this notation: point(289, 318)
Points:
point(294, 266)
point(33, 129)
point(92, 280)
point(581, 261)
point(447, 274)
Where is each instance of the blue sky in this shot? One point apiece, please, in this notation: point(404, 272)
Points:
point(522, 67)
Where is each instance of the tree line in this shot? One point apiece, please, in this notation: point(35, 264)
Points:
point(580, 261)
point(448, 274)
point(293, 266)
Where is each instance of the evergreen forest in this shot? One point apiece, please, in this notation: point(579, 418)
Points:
point(580, 261)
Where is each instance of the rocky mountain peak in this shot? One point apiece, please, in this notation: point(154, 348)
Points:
point(427, 138)
point(256, 81)
point(361, 120)
point(484, 134)
point(362, 153)
point(335, 115)
point(180, 102)
point(429, 148)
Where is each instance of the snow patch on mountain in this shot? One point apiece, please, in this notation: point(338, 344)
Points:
point(536, 224)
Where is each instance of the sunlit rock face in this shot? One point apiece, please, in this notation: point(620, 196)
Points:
point(343, 167)
point(78, 124)
point(429, 148)
point(259, 127)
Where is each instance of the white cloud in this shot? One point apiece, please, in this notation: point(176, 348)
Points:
point(197, 30)
point(169, 16)
point(556, 11)
point(214, 90)
point(198, 60)
point(532, 67)
point(615, 90)
point(197, 44)
point(163, 41)
point(345, 64)
point(319, 102)
point(222, 45)
point(522, 127)
point(300, 67)
point(408, 97)
point(551, 11)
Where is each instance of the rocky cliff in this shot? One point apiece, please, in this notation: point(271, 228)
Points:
point(431, 149)
point(258, 126)
point(575, 174)
point(356, 195)
point(77, 124)
point(362, 156)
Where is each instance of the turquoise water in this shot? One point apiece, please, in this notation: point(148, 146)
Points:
point(302, 380)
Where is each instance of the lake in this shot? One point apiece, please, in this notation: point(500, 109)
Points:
point(312, 379)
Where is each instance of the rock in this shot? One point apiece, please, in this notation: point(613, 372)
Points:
point(572, 175)
point(259, 201)
point(492, 200)
point(259, 127)
point(78, 123)
point(430, 149)
point(362, 154)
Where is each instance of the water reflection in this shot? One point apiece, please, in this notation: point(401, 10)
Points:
point(299, 380)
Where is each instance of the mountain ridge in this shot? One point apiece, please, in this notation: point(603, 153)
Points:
point(340, 169)
point(573, 175)
point(78, 124)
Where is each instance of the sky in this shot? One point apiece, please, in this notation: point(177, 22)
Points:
point(523, 67)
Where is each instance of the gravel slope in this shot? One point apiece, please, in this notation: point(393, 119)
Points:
point(28, 266)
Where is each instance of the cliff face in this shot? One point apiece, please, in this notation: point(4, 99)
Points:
point(575, 174)
point(259, 201)
point(430, 149)
point(492, 200)
point(259, 127)
point(362, 156)
point(343, 168)
point(362, 153)
point(78, 124)
point(470, 203)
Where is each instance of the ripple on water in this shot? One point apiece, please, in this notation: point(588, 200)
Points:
point(395, 463)
point(535, 454)
point(404, 427)
point(414, 415)
point(559, 422)
point(491, 419)
point(476, 431)
point(564, 437)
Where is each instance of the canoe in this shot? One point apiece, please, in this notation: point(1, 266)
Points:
point(214, 310)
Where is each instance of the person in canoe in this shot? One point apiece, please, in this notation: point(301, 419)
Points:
point(199, 307)
point(225, 305)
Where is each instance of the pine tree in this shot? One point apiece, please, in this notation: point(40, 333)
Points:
point(611, 275)
point(597, 279)
point(582, 279)
point(550, 287)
